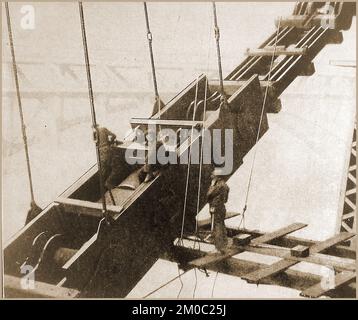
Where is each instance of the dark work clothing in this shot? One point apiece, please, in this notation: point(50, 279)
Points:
point(148, 168)
point(110, 164)
point(217, 196)
point(105, 158)
point(113, 178)
point(105, 137)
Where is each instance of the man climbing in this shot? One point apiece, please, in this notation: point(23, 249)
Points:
point(110, 163)
point(217, 196)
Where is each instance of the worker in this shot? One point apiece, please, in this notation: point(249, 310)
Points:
point(147, 172)
point(114, 177)
point(217, 196)
point(110, 163)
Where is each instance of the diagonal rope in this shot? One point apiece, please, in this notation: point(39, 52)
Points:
point(23, 126)
point(165, 284)
point(259, 127)
point(93, 110)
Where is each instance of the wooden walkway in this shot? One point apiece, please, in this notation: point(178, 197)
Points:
point(325, 253)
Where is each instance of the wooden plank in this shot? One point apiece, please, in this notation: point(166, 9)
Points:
point(278, 234)
point(207, 222)
point(291, 241)
point(339, 280)
point(316, 258)
point(287, 263)
point(238, 267)
point(233, 250)
point(343, 236)
point(165, 122)
point(215, 257)
point(85, 207)
point(279, 51)
point(13, 289)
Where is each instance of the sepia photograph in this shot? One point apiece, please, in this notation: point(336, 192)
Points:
point(178, 150)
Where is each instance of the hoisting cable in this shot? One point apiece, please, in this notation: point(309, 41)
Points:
point(213, 287)
point(150, 45)
point(217, 38)
point(165, 284)
point(199, 185)
point(180, 241)
point(200, 166)
point(93, 112)
point(34, 206)
point(259, 127)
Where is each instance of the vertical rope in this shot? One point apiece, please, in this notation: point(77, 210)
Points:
point(259, 127)
point(93, 111)
point(189, 163)
point(23, 126)
point(217, 38)
point(200, 165)
point(150, 45)
point(213, 287)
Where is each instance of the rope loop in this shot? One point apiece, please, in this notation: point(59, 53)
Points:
point(150, 36)
point(217, 33)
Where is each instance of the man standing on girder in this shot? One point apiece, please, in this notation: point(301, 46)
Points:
point(217, 196)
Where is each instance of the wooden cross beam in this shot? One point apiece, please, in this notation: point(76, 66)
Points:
point(338, 263)
point(233, 250)
point(291, 241)
point(295, 279)
point(283, 264)
point(320, 289)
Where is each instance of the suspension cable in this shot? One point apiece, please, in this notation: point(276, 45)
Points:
point(150, 45)
point(217, 38)
point(93, 111)
point(23, 126)
point(201, 164)
point(259, 127)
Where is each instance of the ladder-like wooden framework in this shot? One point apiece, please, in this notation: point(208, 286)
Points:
point(290, 251)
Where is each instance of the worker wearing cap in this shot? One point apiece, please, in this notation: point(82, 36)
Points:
point(217, 196)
